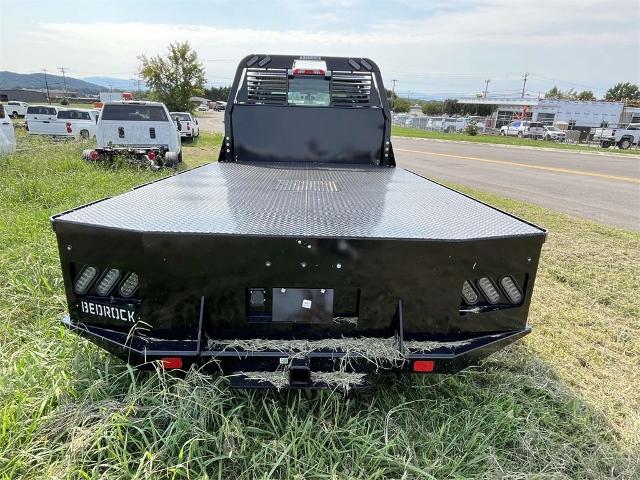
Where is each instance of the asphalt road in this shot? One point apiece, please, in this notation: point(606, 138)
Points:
point(604, 188)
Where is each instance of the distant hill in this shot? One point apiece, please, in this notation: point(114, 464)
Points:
point(36, 80)
point(124, 84)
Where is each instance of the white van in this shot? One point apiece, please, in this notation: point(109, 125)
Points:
point(143, 131)
point(7, 134)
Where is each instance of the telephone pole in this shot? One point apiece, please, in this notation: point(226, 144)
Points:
point(524, 84)
point(393, 93)
point(64, 79)
point(486, 87)
point(46, 83)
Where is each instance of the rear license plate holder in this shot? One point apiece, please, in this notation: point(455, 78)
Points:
point(302, 305)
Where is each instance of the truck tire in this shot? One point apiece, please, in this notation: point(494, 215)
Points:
point(14, 115)
point(171, 159)
point(180, 157)
point(625, 143)
point(86, 155)
point(605, 144)
point(84, 134)
point(520, 135)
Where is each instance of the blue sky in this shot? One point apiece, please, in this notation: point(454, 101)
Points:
point(432, 48)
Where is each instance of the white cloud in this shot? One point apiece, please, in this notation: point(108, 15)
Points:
point(589, 40)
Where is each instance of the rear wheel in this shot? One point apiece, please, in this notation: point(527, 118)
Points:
point(605, 144)
point(171, 159)
point(520, 134)
point(84, 134)
point(14, 115)
point(624, 144)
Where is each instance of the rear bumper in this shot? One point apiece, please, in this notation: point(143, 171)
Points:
point(139, 350)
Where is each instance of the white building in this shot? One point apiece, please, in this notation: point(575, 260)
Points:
point(575, 114)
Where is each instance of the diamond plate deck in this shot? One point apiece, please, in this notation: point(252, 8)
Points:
point(302, 201)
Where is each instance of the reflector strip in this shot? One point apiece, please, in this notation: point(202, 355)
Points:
point(85, 279)
point(489, 290)
point(469, 294)
point(170, 363)
point(424, 366)
point(130, 285)
point(109, 279)
point(511, 289)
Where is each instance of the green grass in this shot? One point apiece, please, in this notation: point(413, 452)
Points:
point(500, 140)
point(563, 403)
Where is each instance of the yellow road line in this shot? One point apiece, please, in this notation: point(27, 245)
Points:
point(527, 165)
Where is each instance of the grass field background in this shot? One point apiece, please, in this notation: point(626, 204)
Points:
point(562, 403)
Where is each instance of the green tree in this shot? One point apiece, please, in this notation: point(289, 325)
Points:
point(175, 78)
point(401, 105)
point(586, 95)
point(217, 93)
point(432, 108)
point(555, 92)
point(451, 106)
point(623, 91)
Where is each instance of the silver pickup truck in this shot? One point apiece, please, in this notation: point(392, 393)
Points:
point(623, 137)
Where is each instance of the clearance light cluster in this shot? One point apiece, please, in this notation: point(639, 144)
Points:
point(486, 290)
point(111, 280)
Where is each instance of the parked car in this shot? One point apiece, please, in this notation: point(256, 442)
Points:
point(435, 123)
point(7, 134)
point(186, 124)
point(523, 128)
point(623, 137)
point(40, 114)
point(553, 133)
point(16, 109)
point(203, 108)
point(451, 125)
point(75, 123)
point(138, 131)
point(220, 106)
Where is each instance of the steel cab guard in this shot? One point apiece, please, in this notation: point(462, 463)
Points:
point(303, 258)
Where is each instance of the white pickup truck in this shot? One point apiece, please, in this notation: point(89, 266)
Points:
point(16, 109)
point(186, 124)
point(623, 137)
point(7, 134)
point(140, 131)
point(75, 123)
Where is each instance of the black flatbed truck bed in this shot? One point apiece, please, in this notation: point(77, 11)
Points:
point(235, 252)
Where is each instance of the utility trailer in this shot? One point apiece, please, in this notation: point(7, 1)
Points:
point(303, 258)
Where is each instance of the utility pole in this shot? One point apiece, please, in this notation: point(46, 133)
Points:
point(393, 94)
point(524, 84)
point(64, 79)
point(486, 87)
point(46, 83)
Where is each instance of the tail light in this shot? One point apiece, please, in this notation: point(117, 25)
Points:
point(151, 155)
point(170, 363)
point(613, 132)
point(94, 156)
point(188, 126)
point(69, 129)
point(309, 71)
point(424, 366)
